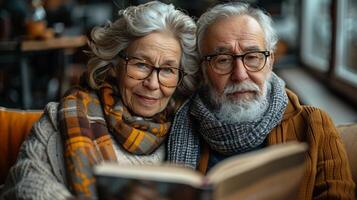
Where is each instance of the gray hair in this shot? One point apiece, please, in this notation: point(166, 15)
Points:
point(237, 9)
point(138, 21)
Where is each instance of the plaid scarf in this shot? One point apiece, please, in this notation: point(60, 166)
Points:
point(87, 122)
point(194, 121)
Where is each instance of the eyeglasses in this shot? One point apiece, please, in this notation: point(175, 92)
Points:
point(139, 69)
point(223, 63)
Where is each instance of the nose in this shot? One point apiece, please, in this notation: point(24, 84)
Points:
point(239, 72)
point(152, 82)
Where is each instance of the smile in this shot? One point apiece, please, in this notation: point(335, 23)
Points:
point(147, 99)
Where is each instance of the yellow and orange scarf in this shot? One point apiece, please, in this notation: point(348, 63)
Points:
point(88, 122)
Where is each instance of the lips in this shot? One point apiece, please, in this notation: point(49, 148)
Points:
point(147, 99)
point(239, 94)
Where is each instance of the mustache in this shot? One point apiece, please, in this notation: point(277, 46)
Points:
point(240, 87)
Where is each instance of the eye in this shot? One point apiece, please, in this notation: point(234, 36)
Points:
point(223, 59)
point(139, 65)
point(168, 71)
point(253, 56)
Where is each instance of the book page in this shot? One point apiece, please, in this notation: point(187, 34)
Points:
point(271, 173)
point(247, 161)
point(262, 185)
point(160, 173)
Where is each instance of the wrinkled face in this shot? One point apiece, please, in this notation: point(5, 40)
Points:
point(147, 97)
point(236, 35)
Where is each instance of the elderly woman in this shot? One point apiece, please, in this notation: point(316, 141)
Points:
point(121, 111)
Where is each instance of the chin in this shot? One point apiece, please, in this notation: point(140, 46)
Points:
point(243, 98)
point(145, 112)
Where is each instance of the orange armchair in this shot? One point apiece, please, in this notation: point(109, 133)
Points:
point(348, 134)
point(14, 127)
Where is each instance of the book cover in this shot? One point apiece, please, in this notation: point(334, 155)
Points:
point(273, 172)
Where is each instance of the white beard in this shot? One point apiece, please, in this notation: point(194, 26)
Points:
point(241, 110)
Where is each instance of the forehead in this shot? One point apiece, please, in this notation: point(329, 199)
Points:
point(156, 44)
point(234, 33)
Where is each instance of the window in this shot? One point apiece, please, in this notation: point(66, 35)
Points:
point(316, 33)
point(346, 58)
point(329, 44)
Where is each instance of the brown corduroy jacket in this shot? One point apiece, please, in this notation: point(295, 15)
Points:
point(327, 174)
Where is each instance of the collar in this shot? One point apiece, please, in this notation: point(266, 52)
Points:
point(294, 107)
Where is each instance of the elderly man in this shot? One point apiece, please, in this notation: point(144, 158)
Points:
point(244, 106)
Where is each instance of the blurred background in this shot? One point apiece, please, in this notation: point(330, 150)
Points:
point(42, 44)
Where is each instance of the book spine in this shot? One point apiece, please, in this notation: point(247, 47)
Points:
point(206, 193)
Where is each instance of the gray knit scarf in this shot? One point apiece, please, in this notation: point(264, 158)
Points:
point(194, 121)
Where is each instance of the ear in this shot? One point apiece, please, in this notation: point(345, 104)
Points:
point(119, 69)
point(204, 70)
point(271, 60)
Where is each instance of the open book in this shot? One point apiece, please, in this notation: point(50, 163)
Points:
point(273, 172)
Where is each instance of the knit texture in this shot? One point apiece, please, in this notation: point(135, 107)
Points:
point(327, 174)
point(223, 137)
point(39, 172)
point(87, 121)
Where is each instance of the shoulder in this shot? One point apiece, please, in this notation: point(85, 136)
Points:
point(47, 125)
point(305, 113)
point(316, 123)
point(316, 116)
point(307, 121)
point(46, 132)
point(50, 114)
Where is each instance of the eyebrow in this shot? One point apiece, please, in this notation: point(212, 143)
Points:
point(252, 48)
point(221, 49)
point(147, 59)
point(227, 49)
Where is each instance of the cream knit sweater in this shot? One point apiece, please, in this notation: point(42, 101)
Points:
point(39, 172)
